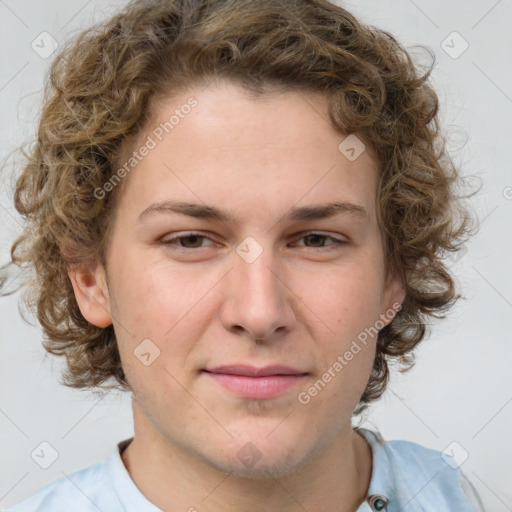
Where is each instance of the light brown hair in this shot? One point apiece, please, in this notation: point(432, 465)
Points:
point(100, 93)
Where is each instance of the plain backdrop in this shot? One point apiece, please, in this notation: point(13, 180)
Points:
point(459, 395)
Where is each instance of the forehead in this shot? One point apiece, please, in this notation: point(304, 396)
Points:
point(222, 144)
point(225, 115)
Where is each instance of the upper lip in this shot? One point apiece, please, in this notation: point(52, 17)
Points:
point(252, 371)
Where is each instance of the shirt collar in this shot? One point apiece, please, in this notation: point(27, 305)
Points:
point(381, 481)
point(127, 492)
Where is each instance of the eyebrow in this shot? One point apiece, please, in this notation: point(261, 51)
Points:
point(302, 213)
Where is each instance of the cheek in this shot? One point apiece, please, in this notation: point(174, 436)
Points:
point(345, 305)
point(155, 297)
point(345, 299)
point(171, 309)
point(350, 310)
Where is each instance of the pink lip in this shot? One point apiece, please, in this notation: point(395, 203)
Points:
point(258, 383)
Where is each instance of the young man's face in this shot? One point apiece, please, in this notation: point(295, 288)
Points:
point(252, 289)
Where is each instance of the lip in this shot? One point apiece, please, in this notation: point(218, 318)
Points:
point(257, 383)
point(252, 371)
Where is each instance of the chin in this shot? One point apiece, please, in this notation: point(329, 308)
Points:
point(269, 466)
point(259, 456)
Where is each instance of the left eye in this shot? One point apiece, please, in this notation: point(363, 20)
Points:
point(318, 240)
point(194, 241)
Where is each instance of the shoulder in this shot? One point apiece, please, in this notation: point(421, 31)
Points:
point(415, 476)
point(86, 490)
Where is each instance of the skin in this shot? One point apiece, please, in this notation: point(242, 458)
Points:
point(301, 303)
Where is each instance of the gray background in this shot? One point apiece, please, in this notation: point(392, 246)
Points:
point(461, 388)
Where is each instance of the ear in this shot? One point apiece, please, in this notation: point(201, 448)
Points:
point(91, 292)
point(393, 297)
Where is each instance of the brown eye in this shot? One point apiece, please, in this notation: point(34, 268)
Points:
point(316, 240)
point(191, 241)
point(186, 241)
point(320, 241)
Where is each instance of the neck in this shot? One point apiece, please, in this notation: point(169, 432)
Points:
point(174, 479)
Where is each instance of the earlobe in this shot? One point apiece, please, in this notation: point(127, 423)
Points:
point(394, 296)
point(91, 292)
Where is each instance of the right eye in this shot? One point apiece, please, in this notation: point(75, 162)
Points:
point(185, 241)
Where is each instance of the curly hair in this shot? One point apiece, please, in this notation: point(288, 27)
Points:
point(100, 92)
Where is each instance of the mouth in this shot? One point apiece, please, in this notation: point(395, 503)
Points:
point(256, 383)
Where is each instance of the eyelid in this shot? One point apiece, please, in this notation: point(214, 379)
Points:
point(299, 236)
point(183, 234)
point(336, 240)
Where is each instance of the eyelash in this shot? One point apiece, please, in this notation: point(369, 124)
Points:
point(173, 241)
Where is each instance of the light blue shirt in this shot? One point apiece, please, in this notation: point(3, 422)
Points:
point(406, 477)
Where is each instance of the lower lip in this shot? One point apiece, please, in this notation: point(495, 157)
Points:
point(256, 387)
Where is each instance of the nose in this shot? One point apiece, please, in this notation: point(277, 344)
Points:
point(258, 302)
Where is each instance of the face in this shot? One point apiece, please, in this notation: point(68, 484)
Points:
point(246, 239)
